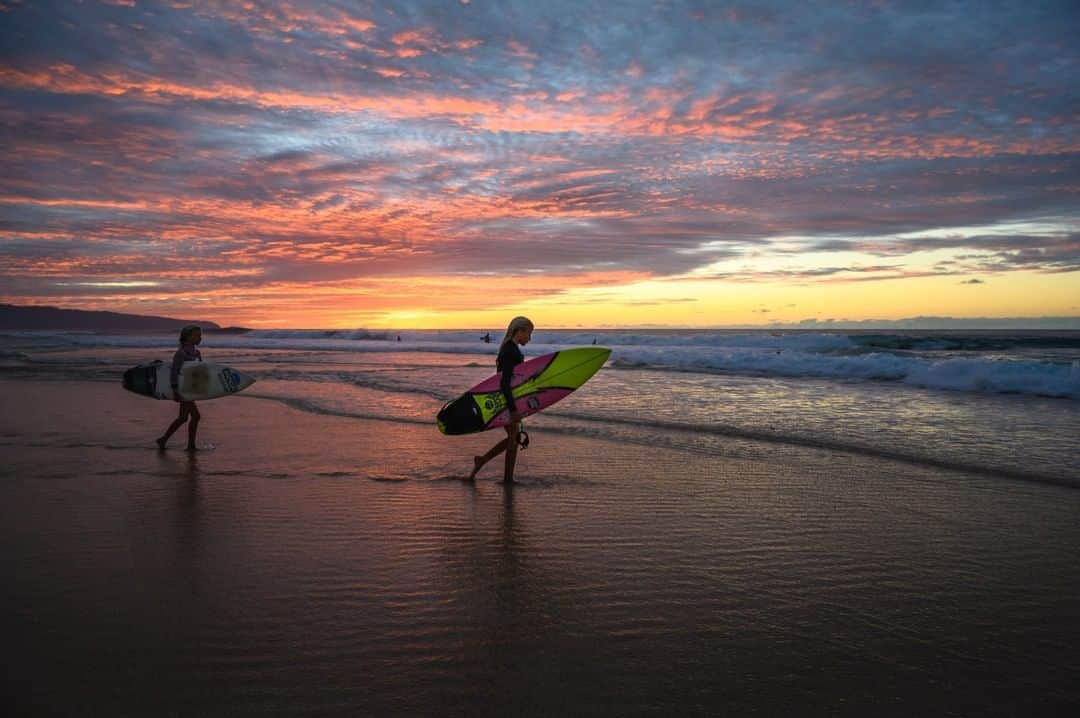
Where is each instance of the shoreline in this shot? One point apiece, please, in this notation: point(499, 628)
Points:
point(762, 436)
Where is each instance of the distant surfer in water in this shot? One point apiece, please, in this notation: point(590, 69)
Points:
point(518, 333)
point(190, 336)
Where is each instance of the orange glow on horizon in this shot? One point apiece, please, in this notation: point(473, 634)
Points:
point(597, 301)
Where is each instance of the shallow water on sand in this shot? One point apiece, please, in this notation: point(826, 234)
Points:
point(334, 565)
point(1018, 436)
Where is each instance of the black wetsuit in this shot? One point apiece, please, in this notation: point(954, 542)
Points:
point(509, 357)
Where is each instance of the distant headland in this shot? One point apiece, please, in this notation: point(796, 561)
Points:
point(14, 317)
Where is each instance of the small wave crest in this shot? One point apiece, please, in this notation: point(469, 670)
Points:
point(965, 342)
point(953, 374)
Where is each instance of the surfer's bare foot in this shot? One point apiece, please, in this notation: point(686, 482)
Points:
point(478, 463)
point(160, 443)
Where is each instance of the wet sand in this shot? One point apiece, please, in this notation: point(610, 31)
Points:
point(317, 565)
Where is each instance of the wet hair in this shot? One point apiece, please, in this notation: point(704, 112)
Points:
point(516, 324)
point(186, 332)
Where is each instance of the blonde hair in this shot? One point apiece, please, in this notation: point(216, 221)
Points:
point(516, 324)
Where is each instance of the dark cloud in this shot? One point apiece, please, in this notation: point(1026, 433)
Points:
point(1044, 252)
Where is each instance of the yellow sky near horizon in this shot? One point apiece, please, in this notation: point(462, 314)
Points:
point(718, 303)
point(439, 303)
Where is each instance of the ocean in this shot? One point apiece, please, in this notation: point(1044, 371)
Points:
point(992, 403)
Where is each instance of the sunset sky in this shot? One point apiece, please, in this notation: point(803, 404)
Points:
point(321, 163)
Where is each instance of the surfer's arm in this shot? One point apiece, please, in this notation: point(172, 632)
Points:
point(509, 357)
point(504, 386)
point(174, 372)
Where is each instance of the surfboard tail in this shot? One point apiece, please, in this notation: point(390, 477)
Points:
point(461, 416)
point(142, 379)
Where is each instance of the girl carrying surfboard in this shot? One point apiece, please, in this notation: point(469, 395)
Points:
point(190, 336)
point(518, 333)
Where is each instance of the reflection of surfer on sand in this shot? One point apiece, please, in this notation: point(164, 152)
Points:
point(190, 336)
point(519, 332)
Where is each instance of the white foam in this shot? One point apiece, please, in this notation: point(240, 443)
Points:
point(829, 356)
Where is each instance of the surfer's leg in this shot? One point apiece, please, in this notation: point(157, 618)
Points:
point(193, 427)
point(511, 452)
point(479, 461)
point(477, 464)
point(177, 423)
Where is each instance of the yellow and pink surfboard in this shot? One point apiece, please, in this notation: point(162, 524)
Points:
point(537, 384)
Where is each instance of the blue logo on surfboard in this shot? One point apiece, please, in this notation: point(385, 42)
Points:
point(230, 380)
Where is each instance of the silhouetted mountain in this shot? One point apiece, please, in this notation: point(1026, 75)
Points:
point(15, 317)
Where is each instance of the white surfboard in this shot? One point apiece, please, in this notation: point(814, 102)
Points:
point(199, 380)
